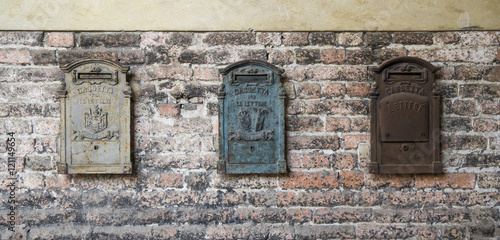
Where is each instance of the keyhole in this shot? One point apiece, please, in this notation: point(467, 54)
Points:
point(251, 148)
point(405, 148)
point(96, 147)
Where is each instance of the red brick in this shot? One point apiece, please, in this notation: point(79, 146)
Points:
point(267, 215)
point(230, 38)
point(325, 232)
point(69, 56)
point(327, 198)
point(309, 180)
point(358, 89)
point(297, 73)
point(216, 56)
point(153, 38)
point(446, 37)
point(314, 159)
point(169, 110)
point(342, 215)
point(344, 160)
point(376, 181)
point(402, 181)
point(206, 74)
point(285, 199)
point(485, 125)
point(308, 90)
point(322, 38)
point(355, 73)
point(386, 215)
point(361, 124)
point(338, 124)
point(39, 75)
point(313, 142)
point(60, 39)
point(360, 56)
point(333, 90)
point(351, 179)
point(493, 75)
point(466, 107)
point(304, 124)
point(449, 180)
point(333, 56)
point(299, 215)
point(306, 56)
point(351, 141)
point(281, 57)
point(426, 54)
point(337, 107)
point(488, 180)
point(323, 73)
point(413, 37)
point(295, 107)
point(43, 57)
point(15, 56)
point(246, 181)
point(295, 38)
point(21, 38)
point(491, 107)
point(110, 39)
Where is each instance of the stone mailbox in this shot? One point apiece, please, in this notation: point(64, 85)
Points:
point(405, 118)
point(251, 119)
point(95, 119)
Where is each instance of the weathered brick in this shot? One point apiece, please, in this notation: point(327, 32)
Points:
point(307, 56)
point(122, 39)
point(393, 215)
point(475, 38)
point(122, 232)
point(343, 160)
point(281, 57)
point(337, 107)
point(295, 39)
point(402, 181)
point(325, 232)
point(351, 179)
point(15, 56)
point(297, 73)
point(206, 74)
point(322, 38)
point(338, 124)
point(197, 215)
point(355, 73)
point(455, 180)
point(309, 180)
point(351, 141)
point(308, 90)
point(180, 39)
point(193, 57)
point(378, 39)
point(377, 231)
point(316, 159)
point(466, 107)
point(269, 38)
point(413, 38)
point(342, 215)
point(58, 182)
point(350, 39)
point(39, 75)
point(247, 181)
point(301, 124)
point(128, 57)
point(69, 56)
point(257, 54)
point(153, 38)
point(180, 142)
point(60, 39)
point(76, 231)
point(15, 126)
point(464, 142)
point(323, 73)
point(233, 38)
point(493, 74)
point(313, 142)
point(197, 181)
point(447, 37)
point(482, 55)
point(333, 56)
point(494, 143)
point(43, 57)
point(38, 163)
point(236, 232)
point(360, 124)
point(480, 91)
point(219, 56)
point(358, 89)
point(491, 107)
point(266, 215)
point(481, 160)
point(21, 38)
point(299, 215)
point(360, 56)
point(485, 125)
point(169, 110)
point(381, 55)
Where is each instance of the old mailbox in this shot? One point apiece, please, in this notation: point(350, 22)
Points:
point(251, 119)
point(95, 119)
point(405, 118)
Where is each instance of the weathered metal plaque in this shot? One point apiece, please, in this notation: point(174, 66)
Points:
point(405, 118)
point(251, 119)
point(95, 119)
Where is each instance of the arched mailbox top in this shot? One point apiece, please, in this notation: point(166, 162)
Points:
point(254, 63)
point(71, 66)
point(405, 60)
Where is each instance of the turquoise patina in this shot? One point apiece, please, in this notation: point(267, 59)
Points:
point(251, 119)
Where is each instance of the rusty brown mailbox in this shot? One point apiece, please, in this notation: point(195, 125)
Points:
point(405, 118)
point(95, 119)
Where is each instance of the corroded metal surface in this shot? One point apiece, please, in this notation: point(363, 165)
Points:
point(95, 119)
point(251, 119)
point(405, 118)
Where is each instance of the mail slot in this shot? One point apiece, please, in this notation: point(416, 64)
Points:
point(405, 118)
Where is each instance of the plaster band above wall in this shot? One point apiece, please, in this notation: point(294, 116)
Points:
point(261, 15)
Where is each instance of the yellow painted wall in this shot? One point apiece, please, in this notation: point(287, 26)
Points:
point(241, 15)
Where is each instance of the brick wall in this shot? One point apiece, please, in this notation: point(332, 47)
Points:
point(175, 191)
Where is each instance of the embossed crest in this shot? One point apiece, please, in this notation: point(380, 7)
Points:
point(251, 117)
